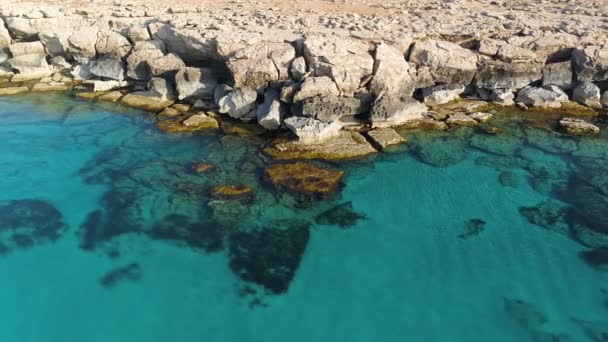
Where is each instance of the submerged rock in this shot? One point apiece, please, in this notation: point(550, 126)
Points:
point(269, 255)
point(231, 191)
point(198, 122)
point(548, 214)
point(304, 179)
point(440, 152)
point(473, 227)
point(597, 258)
point(588, 94)
point(548, 96)
point(204, 234)
point(508, 179)
point(394, 111)
point(342, 215)
point(203, 167)
point(524, 313)
point(575, 126)
point(132, 272)
point(344, 146)
point(383, 137)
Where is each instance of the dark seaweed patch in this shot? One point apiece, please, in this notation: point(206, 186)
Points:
point(473, 227)
point(204, 235)
point(597, 258)
point(269, 255)
point(132, 272)
point(342, 215)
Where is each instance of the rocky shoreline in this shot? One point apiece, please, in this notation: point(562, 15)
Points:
point(339, 94)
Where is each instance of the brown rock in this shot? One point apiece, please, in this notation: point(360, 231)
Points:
point(175, 125)
point(231, 191)
point(202, 167)
point(145, 102)
point(304, 179)
point(111, 96)
point(384, 137)
point(13, 90)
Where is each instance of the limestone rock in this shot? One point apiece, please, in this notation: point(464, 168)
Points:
point(328, 108)
point(5, 37)
point(591, 63)
point(513, 54)
point(82, 72)
point(138, 33)
point(29, 67)
point(258, 64)
point(81, 44)
point(343, 146)
point(162, 87)
point(146, 101)
point(460, 119)
point(111, 68)
point(200, 120)
point(54, 44)
point(549, 96)
point(26, 48)
point(298, 68)
point(554, 47)
point(238, 103)
point(13, 90)
point(384, 137)
point(393, 111)
point(448, 63)
point(197, 83)
point(574, 126)
point(309, 130)
point(50, 86)
point(5, 55)
point(112, 44)
point(442, 94)
point(588, 94)
point(502, 75)
point(604, 99)
point(480, 116)
point(346, 61)
point(189, 44)
point(558, 74)
point(315, 86)
point(502, 96)
point(137, 61)
point(391, 72)
point(166, 66)
point(269, 113)
point(99, 85)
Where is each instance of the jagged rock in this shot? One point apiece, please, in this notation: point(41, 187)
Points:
point(111, 68)
point(554, 47)
point(489, 47)
point(391, 72)
point(195, 83)
point(442, 94)
point(166, 66)
point(6, 72)
point(13, 90)
point(480, 116)
point(145, 100)
point(384, 137)
point(220, 91)
point(588, 94)
point(347, 61)
point(81, 44)
point(162, 88)
point(315, 86)
point(342, 215)
point(304, 179)
point(138, 33)
point(82, 72)
point(29, 67)
point(393, 111)
point(515, 54)
point(289, 91)
point(591, 63)
point(548, 214)
point(298, 68)
point(258, 64)
point(501, 75)
point(189, 44)
point(558, 74)
point(328, 108)
point(137, 61)
point(5, 37)
point(112, 44)
point(574, 126)
point(524, 313)
point(238, 103)
point(502, 96)
point(26, 48)
point(54, 44)
point(604, 99)
point(311, 130)
point(548, 96)
point(460, 119)
point(269, 113)
point(448, 63)
point(59, 64)
point(343, 146)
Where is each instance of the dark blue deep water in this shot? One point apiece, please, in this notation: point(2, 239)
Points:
point(106, 234)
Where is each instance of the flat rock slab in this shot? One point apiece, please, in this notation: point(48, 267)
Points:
point(384, 137)
point(344, 146)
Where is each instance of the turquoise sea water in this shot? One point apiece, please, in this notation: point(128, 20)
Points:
point(440, 251)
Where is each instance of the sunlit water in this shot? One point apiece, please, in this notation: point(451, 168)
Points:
point(440, 250)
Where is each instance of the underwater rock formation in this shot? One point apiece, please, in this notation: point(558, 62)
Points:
point(132, 272)
point(304, 179)
point(472, 227)
point(205, 235)
point(548, 214)
point(525, 314)
point(231, 191)
point(597, 258)
point(342, 215)
point(271, 254)
point(439, 151)
point(25, 223)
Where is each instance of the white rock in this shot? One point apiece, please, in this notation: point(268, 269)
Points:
point(442, 94)
point(548, 96)
point(311, 130)
point(391, 74)
point(5, 37)
point(195, 83)
point(448, 62)
point(166, 65)
point(460, 119)
point(111, 68)
point(112, 44)
point(29, 67)
point(137, 61)
point(82, 72)
point(54, 44)
point(81, 44)
point(238, 103)
point(558, 74)
point(256, 65)
point(394, 111)
point(480, 116)
point(588, 94)
point(591, 63)
point(106, 85)
point(604, 99)
point(315, 86)
point(269, 113)
point(138, 33)
point(162, 87)
point(298, 68)
point(26, 48)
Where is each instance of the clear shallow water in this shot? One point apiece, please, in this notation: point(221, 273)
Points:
point(409, 271)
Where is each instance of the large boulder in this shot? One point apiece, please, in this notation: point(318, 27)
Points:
point(238, 103)
point(162, 87)
point(393, 111)
point(29, 67)
point(447, 62)
point(26, 48)
point(111, 68)
point(189, 44)
point(604, 99)
point(81, 44)
point(196, 83)
point(588, 94)
point(329, 108)
point(442, 94)
point(166, 66)
point(112, 44)
point(5, 37)
point(142, 53)
point(591, 63)
point(269, 113)
point(346, 61)
point(502, 75)
point(309, 130)
point(55, 44)
point(315, 86)
point(558, 74)
point(256, 65)
point(391, 72)
point(548, 96)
